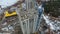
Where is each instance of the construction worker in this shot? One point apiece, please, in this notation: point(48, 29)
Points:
point(40, 11)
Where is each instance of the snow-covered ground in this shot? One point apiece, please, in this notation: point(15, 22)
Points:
point(6, 3)
point(54, 25)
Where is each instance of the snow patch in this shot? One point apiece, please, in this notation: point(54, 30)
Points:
point(6, 3)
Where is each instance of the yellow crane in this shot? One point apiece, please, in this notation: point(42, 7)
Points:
point(7, 14)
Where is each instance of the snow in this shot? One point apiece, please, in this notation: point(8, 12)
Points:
point(45, 17)
point(53, 25)
point(6, 3)
point(11, 28)
point(5, 29)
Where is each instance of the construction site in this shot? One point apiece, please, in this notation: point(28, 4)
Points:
point(29, 16)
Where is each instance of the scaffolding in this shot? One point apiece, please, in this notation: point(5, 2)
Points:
point(28, 19)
